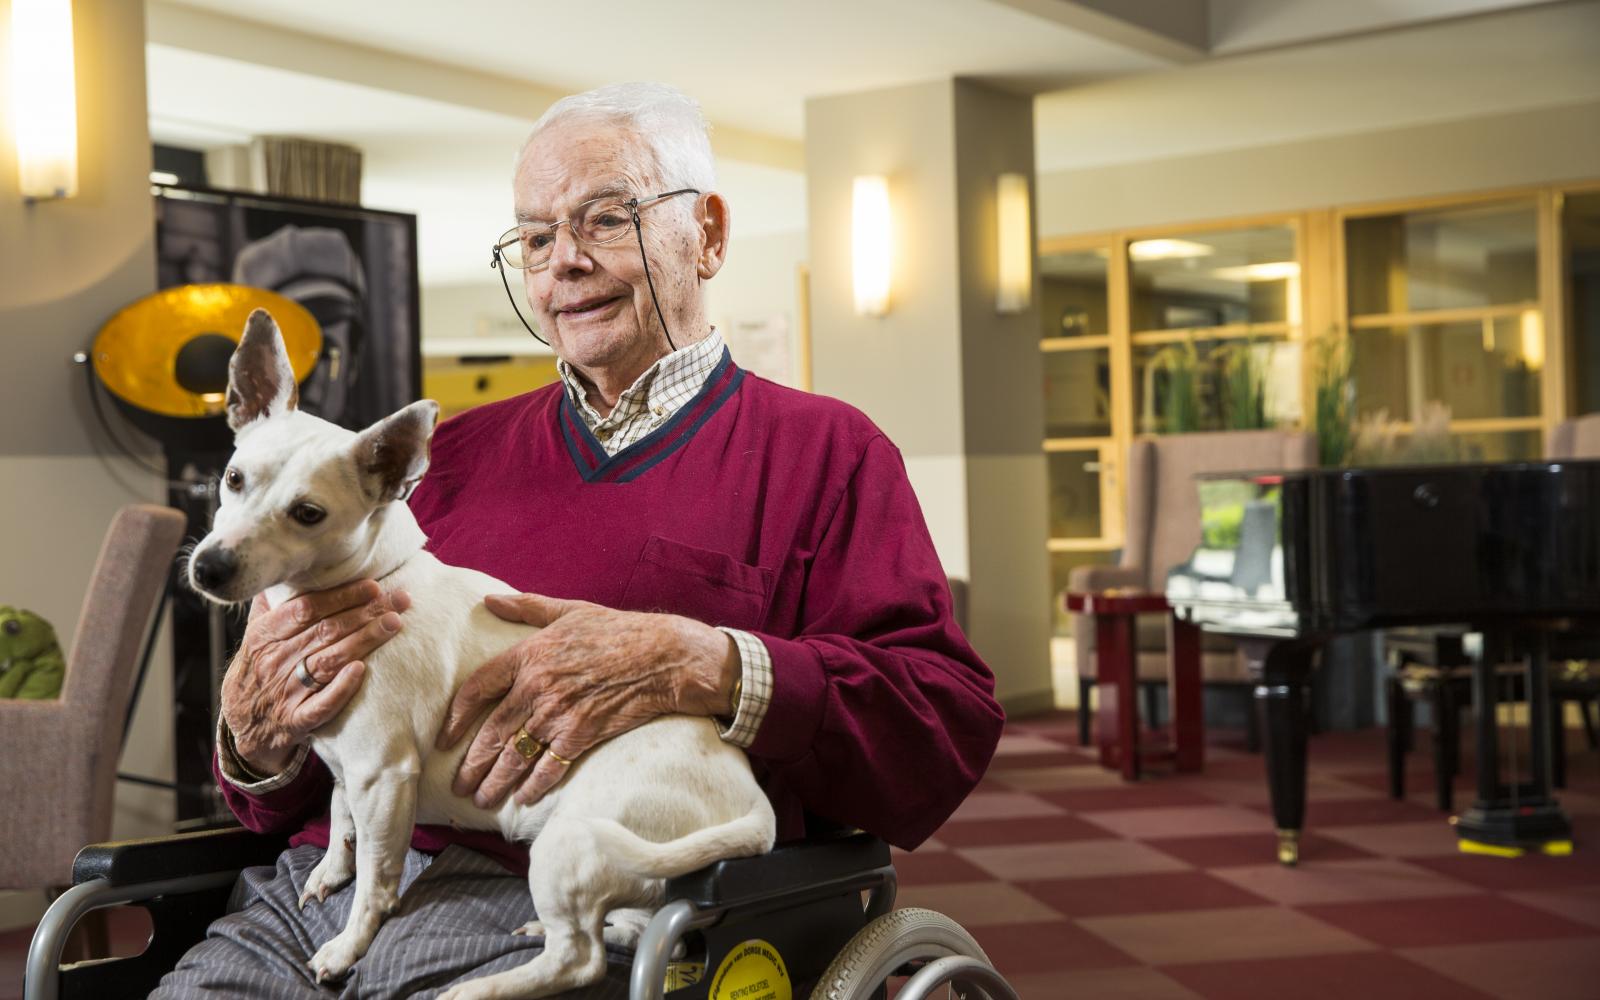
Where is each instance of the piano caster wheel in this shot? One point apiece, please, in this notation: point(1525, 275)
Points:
point(1289, 847)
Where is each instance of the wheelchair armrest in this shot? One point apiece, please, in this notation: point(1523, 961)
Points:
point(789, 868)
point(154, 859)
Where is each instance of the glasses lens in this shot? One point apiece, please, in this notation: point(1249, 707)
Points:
point(603, 221)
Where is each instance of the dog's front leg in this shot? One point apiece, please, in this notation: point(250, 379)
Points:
point(339, 864)
point(383, 808)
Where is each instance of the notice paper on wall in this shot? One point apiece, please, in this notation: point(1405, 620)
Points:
point(764, 346)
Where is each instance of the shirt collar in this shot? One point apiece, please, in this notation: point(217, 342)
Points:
point(659, 380)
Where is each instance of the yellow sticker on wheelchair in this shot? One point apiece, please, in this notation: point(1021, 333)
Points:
point(753, 970)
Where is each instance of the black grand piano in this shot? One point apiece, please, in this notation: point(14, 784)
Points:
point(1511, 551)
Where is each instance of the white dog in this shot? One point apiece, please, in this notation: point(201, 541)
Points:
point(306, 505)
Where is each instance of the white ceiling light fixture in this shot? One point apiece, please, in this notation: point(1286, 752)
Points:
point(1168, 250)
point(1273, 270)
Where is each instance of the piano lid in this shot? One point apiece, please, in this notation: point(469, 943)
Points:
point(1325, 550)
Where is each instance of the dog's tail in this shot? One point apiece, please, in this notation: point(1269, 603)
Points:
point(748, 835)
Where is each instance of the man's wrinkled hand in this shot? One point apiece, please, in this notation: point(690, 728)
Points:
point(591, 673)
point(269, 710)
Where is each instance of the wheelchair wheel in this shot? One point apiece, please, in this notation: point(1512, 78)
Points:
point(886, 944)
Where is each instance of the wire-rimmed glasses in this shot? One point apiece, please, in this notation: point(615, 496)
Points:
point(594, 223)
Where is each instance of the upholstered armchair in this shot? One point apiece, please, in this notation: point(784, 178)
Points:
point(59, 775)
point(1162, 529)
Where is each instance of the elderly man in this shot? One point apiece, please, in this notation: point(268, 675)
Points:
point(693, 538)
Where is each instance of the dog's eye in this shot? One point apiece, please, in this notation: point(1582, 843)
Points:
point(307, 513)
point(233, 479)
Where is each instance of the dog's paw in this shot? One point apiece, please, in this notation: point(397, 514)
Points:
point(532, 928)
point(331, 874)
point(333, 961)
point(469, 990)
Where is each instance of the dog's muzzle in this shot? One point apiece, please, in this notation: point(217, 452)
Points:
point(214, 568)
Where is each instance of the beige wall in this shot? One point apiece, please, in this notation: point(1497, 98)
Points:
point(66, 267)
point(1473, 154)
point(940, 372)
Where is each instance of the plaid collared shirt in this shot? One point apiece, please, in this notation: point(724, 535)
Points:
point(648, 403)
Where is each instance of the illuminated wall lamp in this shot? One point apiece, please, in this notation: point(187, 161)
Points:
point(44, 101)
point(1015, 243)
point(870, 231)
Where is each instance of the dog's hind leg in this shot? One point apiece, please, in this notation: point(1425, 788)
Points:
point(571, 886)
point(383, 808)
point(337, 866)
point(624, 926)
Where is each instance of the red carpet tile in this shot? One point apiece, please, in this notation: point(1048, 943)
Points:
point(1535, 871)
point(1057, 946)
point(1137, 795)
point(1122, 894)
point(1424, 923)
point(1251, 849)
point(1026, 830)
point(1368, 975)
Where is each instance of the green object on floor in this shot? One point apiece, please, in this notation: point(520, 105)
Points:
point(31, 664)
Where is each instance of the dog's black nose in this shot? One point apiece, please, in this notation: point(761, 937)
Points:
point(214, 567)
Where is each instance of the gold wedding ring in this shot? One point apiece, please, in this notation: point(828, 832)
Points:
point(563, 761)
point(526, 745)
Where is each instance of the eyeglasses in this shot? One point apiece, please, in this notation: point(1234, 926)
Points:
point(593, 223)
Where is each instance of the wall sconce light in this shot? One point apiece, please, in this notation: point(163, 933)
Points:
point(44, 98)
point(1015, 242)
point(870, 232)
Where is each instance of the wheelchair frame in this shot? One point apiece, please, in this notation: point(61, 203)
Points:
point(805, 898)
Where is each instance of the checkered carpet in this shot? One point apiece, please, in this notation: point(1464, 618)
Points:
point(1079, 885)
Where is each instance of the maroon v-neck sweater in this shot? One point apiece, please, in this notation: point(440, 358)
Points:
point(757, 507)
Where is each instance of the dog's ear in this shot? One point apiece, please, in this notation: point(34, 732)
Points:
point(260, 380)
point(392, 454)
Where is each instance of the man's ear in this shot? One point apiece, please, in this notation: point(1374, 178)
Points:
point(260, 380)
point(392, 454)
point(714, 229)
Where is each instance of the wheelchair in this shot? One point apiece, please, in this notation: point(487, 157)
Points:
point(797, 911)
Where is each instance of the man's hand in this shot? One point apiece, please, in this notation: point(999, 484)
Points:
point(591, 674)
point(268, 709)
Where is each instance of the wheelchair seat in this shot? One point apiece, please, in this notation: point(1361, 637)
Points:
point(798, 910)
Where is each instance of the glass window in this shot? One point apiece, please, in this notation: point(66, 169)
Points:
point(1074, 494)
point(1482, 368)
point(1208, 385)
point(1234, 277)
point(1072, 294)
point(1503, 446)
point(1455, 258)
point(1581, 226)
point(1077, 393)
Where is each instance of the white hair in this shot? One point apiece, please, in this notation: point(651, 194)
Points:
point(669, 122)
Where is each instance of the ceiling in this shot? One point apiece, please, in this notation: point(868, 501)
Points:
point(440, 96)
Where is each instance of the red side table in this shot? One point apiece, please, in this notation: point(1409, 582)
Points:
point(1116, 678)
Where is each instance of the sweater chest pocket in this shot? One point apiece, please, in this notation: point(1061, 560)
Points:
point(697, 583)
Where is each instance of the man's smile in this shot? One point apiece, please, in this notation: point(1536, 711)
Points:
point(587, 308)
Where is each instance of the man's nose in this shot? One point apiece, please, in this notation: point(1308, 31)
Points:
point(214, 567)
point(567, 253)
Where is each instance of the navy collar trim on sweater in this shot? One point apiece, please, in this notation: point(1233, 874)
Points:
point(589, 455)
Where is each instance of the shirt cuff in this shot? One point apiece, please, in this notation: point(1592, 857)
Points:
point(755, 694)
point(241, 777)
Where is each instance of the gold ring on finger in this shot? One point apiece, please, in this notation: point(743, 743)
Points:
point(527, 746)
point(563, 761)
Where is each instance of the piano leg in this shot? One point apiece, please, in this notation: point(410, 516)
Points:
point(1514, 816)
point(1282, 666)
